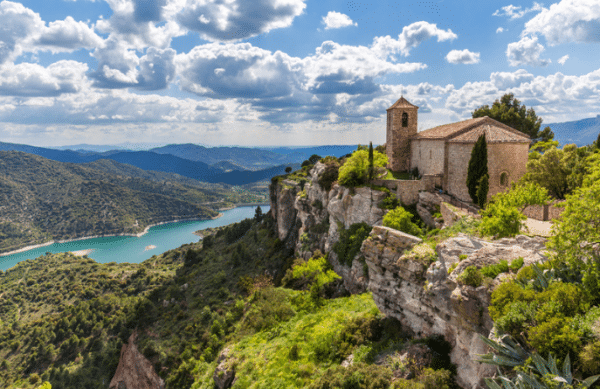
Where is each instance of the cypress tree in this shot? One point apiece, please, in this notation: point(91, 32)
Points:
point(371, 168)
point(477, 167)
point(482, 190)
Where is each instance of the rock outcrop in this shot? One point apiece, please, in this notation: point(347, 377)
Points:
point(428, 300)
point(134, 370)
point(224, 374)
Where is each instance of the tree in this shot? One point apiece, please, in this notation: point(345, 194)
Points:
point(258, 215)
point(371, 167)
point(314, 159)
point(503, 216)
point(560, 171)
point(288, 169)
point(482, 190)
point(477, 167)
point(355, 169)
point(509, 111)
point(401, 220)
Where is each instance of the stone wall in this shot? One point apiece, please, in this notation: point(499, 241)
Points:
point(510, 158)
point(544, 212)
point(407, 191)
point(428, 156)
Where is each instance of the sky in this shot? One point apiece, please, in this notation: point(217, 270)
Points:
point(283, 72)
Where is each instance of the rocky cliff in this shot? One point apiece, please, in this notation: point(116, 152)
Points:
point(134, 370)
point(409, 280)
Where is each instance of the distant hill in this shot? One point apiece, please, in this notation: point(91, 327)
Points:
point(148, 160)
point(227, 166)
point(581, 132)
point(41, 199)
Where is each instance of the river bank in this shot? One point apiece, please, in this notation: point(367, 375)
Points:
point(138, 235)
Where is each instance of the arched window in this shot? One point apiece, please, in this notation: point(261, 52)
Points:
point(504, 179)
point(404, 119)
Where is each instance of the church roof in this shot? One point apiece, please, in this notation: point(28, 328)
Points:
point(402, 103)
point(468, 131)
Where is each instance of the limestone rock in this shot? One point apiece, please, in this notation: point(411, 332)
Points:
point(429, 301)
point(224, 374)
point(134, 370)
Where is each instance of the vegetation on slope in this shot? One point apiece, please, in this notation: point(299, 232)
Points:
point(43, 199)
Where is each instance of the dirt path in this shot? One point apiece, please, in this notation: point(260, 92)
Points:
point(539, 228)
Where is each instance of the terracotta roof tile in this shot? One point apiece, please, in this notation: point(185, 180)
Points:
point(402, 103)
point(469, 130)
point(493, 134)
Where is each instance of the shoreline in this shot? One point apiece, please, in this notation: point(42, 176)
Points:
point(138, 235)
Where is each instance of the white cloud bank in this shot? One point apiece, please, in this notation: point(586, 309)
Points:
point(517, 12)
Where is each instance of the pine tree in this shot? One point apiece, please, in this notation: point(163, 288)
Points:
point(371, 168)
point(482, 190)
point(258, 214)
point(477, 167)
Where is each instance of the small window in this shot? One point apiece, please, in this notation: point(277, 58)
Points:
point(430, 154)
point(504, 179)
point(404, 119)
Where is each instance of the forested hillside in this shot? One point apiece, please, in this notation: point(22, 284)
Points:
point(42, 199)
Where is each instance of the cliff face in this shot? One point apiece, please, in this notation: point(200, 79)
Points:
point(134, 370)
point(318, 216)
point(409, 281)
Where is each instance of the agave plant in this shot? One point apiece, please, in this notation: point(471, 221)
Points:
point(535, 372)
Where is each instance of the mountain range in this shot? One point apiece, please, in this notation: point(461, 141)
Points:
point(581, 132)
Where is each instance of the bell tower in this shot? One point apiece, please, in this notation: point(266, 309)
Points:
point(401, 125)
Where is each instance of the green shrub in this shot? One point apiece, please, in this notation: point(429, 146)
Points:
point(357, 376)
point(355, 170)
point(492, 271)
point(516, 264)
point(329, 174)
point(269, 306)
point(557, 336)
point(350, 241)
point(470, 276)
point(515, 320)
point(590, 357)
point(505, 294)
point(401, 220)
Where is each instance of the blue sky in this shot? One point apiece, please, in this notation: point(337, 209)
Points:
point(283, 72)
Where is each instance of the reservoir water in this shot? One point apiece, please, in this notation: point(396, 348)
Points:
point(133, 249)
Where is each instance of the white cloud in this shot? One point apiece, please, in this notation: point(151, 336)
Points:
point(462, 56)
point(68, 35)
point(18, 24)
point(563, 59)
point(337, 20)
point(232, 20)
point(516, 12)
point(27, 79)
point(507, 80)
point(411, 36)
point(527, 51)
point(499, 30)
point(568, 21)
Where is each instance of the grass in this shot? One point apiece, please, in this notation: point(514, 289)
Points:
point(397, 175)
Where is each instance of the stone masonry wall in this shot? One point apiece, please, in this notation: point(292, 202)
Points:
point(427, 156)
point(502, 157)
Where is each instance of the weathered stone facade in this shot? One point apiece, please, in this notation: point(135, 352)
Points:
point(445, 151)
point(401, 125)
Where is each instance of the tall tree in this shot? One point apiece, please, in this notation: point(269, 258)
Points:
point(509, 111)
point(482, 190)
point(371, 167)
point(477, 167)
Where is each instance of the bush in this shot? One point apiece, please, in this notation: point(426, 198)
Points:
point(516, 264)
point(590, 357)
point(557, 336)
point(492, 271)
point(350, 241)
point(357, 376)
point(470, 276)
point(355, 170)
point(515, 320)
point(329, 174)
point(401, 220)
point(505, 294)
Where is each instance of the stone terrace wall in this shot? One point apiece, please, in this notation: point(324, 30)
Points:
point(407, 191)
point(544, 212)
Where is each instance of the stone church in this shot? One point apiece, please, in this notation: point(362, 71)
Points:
point(444, 151)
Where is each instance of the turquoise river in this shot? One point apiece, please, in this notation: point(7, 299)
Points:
point(136, 249)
